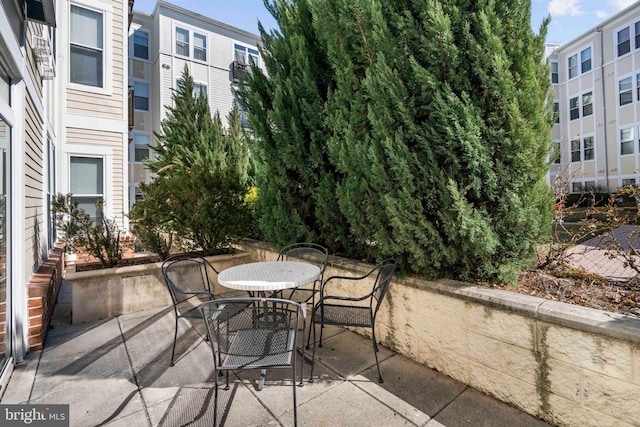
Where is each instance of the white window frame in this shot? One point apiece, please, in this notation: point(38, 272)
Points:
point(625, 91)
point(198, 86)
point(192, 32)
point(107, 47)
point(584, 61)
point(592, 148)
point(584, 114)
point(133, 146)
point(206, 49)
point(249, 52)
point(555, 73)
point(196, 83)
point(576, 149)
point(623, 179)
point(574, 108)
point(616, 41)
point(572, 66)
point(96, 151)
point(556, 111)
point(133, 44)
point(140, 82)
point(175, 41)
point(630, 141)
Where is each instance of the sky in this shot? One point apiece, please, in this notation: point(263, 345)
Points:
point(569, 18)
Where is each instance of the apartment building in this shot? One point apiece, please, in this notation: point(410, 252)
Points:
point(160, 46)
point(63, 128)
point(596, 82)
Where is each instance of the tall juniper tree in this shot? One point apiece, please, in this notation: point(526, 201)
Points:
point(286, 112)
point(440, 121)
point(436, 125)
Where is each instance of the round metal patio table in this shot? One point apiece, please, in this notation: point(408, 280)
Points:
point(268, 276)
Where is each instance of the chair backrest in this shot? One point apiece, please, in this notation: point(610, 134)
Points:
point(308, 252)
point(383, 279)
point(252, 332)
point(187, 272)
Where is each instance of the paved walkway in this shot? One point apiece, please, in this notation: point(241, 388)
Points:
point(116, 372)
point(592, 257)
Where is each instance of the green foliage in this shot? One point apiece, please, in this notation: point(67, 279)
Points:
point(413, 129)
point(99, 236)
point(296, 179)
point(197, 195)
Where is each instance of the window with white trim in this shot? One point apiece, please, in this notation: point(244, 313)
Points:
point(558, 153)
point(574, 109)
point(182, 41)
point(625, 91)
point(575, 150)
point(637, 34)
point(200, 89)
point(555, 75)
point(626, 141)
point(86, 182)
point(140, 147)
point(573, 66)
point(576, 187)
point(556, 112)
point(141, 44)
point(587, 148)
point(86, 56)
point(245, 56)
point(587, 104)
point(629, 181)
point(141, 96)
point(585, 60)
point(624, 42)
point(199, 47)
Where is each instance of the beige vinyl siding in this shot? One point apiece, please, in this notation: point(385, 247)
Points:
point(34, 165)
point(107, 139)
point(109, 106)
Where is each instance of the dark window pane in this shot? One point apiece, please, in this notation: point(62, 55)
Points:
point(86, 66)
point(140, 51)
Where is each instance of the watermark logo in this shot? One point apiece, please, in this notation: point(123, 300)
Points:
point(34, 415)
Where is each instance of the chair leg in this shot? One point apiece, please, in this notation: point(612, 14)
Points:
point(302, 354)
point(215, 401)
point(175, 338)
point(375, 353)
point(295, 402)
point(313, 354)
point(310, 327)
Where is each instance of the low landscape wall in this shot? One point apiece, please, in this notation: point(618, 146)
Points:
point(569, 365)
point(102, 294)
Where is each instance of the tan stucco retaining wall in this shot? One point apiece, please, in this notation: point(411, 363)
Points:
point(570, 365)
point(102, 294)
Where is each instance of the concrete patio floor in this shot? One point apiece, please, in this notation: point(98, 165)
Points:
point(116, 372)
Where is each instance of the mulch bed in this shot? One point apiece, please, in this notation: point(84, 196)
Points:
point(580, 289)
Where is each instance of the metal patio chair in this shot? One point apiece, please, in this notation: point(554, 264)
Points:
point(253, 333)
point(189, 278)
point(357, 311)
point(312, 253)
